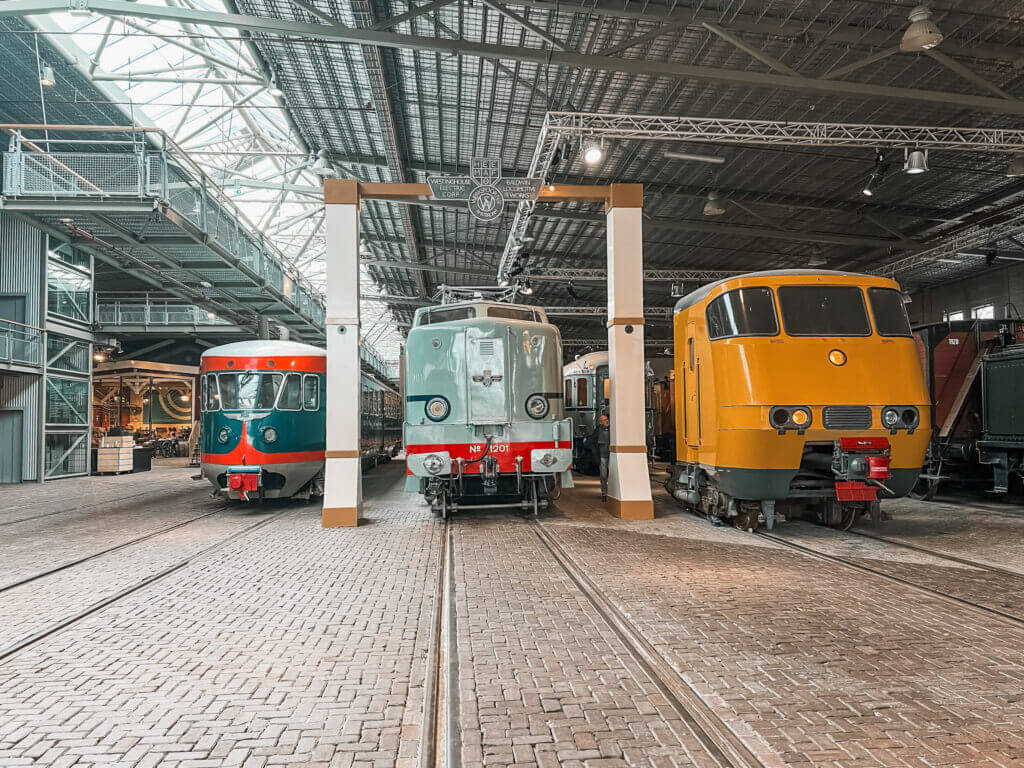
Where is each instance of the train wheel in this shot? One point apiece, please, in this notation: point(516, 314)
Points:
point(925, 489)
point(444, 506)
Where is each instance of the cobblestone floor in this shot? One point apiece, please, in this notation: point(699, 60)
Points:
point(295, 645)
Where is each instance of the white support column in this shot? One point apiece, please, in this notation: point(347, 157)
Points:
point(343, 491)
point(629, 485)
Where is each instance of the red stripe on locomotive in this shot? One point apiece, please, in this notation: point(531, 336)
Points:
point(282, 363)
point(505, 453)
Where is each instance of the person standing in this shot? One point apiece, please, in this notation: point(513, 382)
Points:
point(603, 441)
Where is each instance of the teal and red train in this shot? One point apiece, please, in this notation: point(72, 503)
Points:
point(263, 428)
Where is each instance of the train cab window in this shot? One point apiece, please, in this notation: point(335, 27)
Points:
point(270, 383)
point(742, 312)
point(210, 393)
point(512, 313)
point(889, 312)
point(228, 386)
point(447, 315)
point(311, 392)
point(582, 393)
point(291, 393)
point(568, 394)
point(823, 310)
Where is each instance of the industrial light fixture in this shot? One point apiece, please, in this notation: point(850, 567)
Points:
point(713, 159)
point(817, 258)
point(322, 166)
point(713, 206)
point(594, 153)
point(206, 284)
point(525, 288)
point(915, 160)
point(274, 88)
point(877, 174)
point(922, 34)
point(46, 75)
point(99, 357)
point(1016, 166)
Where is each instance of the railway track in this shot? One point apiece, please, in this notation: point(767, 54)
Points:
point(714, 734)
point(938, 554)
point(105, 502)
point(816, 553)
point(439, 741)
point(67, 621)
point(108, 550)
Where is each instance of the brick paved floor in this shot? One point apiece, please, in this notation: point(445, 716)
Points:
point(824, 665)
point(290, 646)
point(543, 679)
point(295, 645)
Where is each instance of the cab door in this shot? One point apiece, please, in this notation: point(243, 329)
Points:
point(488, 378)
point(691, 387)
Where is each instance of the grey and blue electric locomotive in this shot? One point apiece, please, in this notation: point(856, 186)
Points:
point(484, 418)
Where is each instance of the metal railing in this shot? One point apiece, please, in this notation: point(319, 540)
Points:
point(148, 165)
point(149, 312)
point(20, 344)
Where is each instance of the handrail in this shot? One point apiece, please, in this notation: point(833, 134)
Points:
point(23, 325)
point(209, 185)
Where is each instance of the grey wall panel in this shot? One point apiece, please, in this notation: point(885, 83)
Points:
point(20, 261)
point(21, 393)
point(997, 286)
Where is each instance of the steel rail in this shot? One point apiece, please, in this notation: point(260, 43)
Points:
point(34, 638)
point(814, 553)
point(108, 550)
point(714, 734)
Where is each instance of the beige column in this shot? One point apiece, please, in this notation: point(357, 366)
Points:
point(343, 492)
point(629, 485)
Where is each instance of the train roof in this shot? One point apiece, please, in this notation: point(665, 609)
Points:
point(265, 348)
point(586, 363)
point(701, 293)
point(482, 306)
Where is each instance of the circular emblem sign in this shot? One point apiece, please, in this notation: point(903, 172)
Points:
point(486, 202)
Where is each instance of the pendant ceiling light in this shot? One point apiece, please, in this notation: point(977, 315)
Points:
point(922, 34)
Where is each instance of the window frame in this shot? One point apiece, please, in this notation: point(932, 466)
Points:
point(582, 380)
point(316, 378)
point(874, 317)
point(721, 297)
point(989, 306)
point(284, 385)
point(570, 388)
point(863, 303)
point(947, 316)
point(427, 318)
point(531, 319)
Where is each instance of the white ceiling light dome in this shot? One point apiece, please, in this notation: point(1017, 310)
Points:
point(922, 34)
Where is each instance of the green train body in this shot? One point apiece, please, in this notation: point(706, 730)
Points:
point(263, 426)
point(484, 418)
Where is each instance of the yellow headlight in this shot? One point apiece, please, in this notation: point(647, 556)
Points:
point(800, 418)
point(837, 357)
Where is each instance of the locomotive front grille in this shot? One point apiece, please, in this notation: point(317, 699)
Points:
point(846, 417)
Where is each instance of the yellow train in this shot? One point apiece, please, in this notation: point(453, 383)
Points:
point(798, 392)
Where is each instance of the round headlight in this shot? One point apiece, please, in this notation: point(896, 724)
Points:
point(890, 418)
point(837, 357)
point(537, 406)
point(801, 417)
point(433, 464)
point(270, 434)
point(779, 417)
point(437, 408)
point(548, 459)
point(224, 434)
point(910, 417)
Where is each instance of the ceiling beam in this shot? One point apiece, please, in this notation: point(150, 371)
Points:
point(540, 56)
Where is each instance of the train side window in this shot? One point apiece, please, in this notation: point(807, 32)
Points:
point(742, 312)
point(512, 313)
point(582, 398)
point(568, 394)
point(311, 392)
point(228, 386)
point(291, 393)
point(889, 312)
